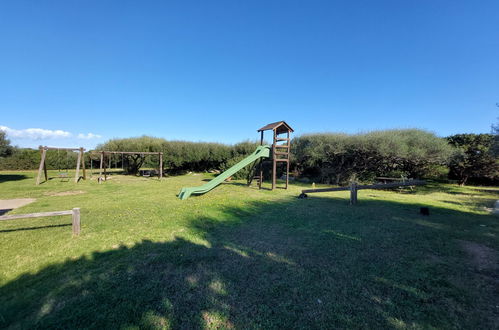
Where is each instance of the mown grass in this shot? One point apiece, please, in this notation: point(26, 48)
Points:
point(243, 258)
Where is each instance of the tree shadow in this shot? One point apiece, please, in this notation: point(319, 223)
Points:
point(12, 177)
point(315, 263)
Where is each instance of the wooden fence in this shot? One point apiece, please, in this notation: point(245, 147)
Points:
point(75, 213)
point(354, 187)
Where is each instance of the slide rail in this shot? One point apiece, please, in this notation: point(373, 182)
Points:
point(260, 152)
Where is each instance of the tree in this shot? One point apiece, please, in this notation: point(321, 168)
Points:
point(473, 158)
point(5, 148)
point(495, 143)
point(336, 158)
point(133, 163)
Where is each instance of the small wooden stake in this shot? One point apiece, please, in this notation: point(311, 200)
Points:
point(353, 193)
point(100, 168)
point(82, 151)
point(76, 221)
point(160, 165)
point(78, 162)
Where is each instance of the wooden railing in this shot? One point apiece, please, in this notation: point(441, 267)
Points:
point(354, 187)
point(75, 213)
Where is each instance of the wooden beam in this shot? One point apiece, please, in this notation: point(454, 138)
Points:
point(68, 149)
point(128, 152)
point(35, 215)
point(75, 215)
point(372, 186)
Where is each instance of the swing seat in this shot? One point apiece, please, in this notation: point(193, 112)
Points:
point(63, 175)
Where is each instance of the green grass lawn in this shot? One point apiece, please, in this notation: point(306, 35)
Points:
point(239, 257)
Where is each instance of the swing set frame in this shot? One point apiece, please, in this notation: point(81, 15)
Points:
point(104, 160)
point(43, 166)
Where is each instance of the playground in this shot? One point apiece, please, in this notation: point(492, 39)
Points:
point(244, 257)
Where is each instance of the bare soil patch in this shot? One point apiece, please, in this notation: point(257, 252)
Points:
point(7, 205)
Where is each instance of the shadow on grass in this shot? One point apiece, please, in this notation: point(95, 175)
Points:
point(12, 177)
point(315, 263)
point(34, 228)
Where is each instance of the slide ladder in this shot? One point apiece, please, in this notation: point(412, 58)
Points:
point(260, 152)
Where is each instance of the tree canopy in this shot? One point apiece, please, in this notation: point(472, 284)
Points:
point(5, 148)
point(473, 158)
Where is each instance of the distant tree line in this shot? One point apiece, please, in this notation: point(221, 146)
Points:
point(328, 158)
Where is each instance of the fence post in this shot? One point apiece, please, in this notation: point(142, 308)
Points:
point(353, 193)
point(76, 221)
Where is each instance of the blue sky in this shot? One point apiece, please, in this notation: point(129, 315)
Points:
point(219, 70)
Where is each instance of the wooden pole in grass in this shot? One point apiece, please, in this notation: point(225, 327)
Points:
point(100, 168)
point(82, 151)
point(42, 166)
point(353, 193)
point(76, 221)
point(78, 162)
point(160, 165)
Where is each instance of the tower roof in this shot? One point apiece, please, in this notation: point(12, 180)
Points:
point(278, 126)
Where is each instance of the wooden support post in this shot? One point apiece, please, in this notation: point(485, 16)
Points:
point(76, 221)
point(274, 160)
point(78, 162)
point(260, 165)
point(287, 163)
point(100, 168)
point(45, 166)
point(43, 154)
point(160, 165)
point(82, 151)
point(353, 193)
point(105, 164)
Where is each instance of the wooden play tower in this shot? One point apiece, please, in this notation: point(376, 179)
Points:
point(280, 151)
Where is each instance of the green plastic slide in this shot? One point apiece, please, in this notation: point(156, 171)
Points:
point(260, 152)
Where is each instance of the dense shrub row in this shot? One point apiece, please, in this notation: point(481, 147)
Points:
point(29, 159)
point(327, 158)
point(337, 158)
point(179, 156)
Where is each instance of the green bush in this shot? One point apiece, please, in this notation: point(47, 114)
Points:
point(474, 159)
point(178, 156)
point(336, 158)
point(29, 159)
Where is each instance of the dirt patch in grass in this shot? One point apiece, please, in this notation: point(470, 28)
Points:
point(481, 256)
point(64, 193)
point(7, 205)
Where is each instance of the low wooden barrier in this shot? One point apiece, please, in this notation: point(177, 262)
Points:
point(354, 187)
point(75, 213)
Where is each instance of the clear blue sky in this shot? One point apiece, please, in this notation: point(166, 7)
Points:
point(219, 70)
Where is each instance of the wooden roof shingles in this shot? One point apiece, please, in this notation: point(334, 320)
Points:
point(279, 126)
